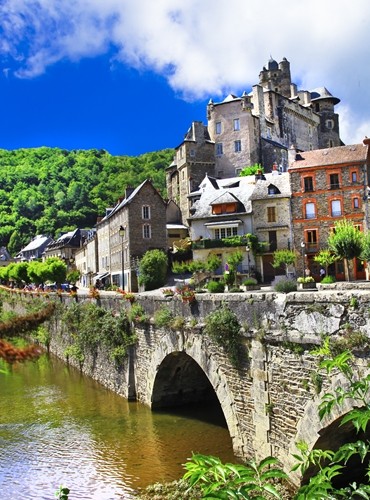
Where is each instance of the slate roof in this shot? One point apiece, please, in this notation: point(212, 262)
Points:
point(331, 156)
point(323, 93)
point(232, 189)
point(36, 243)
point(281, 181)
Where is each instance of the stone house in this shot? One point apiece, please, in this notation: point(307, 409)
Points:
point(328, 185)
point(221, 208)
point(66, 246)
point(271, 219)
point(35, 248)
point(135, 225)
point(86, 259)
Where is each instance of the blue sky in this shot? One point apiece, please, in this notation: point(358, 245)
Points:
point(130, 77)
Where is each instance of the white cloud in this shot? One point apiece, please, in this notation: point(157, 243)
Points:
point(204, 48)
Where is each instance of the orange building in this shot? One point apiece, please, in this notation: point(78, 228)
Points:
point(328, 185)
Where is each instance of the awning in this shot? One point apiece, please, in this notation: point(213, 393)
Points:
point(226, 223)
point(100, 276)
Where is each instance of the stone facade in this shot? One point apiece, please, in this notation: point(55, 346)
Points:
point(328, 185)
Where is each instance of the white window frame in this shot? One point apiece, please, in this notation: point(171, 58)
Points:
point(219, 149)
point(225, 232)
point(336, 208)
point(218, 128)
point(147, 231)
point(310, 210)
point(145, 212)
point(236, 124)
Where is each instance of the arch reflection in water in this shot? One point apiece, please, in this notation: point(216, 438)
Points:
point(59, 427)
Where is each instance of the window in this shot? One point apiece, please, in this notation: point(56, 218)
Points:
point(356, 203)
point(219, 149)
point(236, 124)
point(310, 210)
point(311, 240)
point(224, 208)
point(329, 124)
point(273, 241)
point(334, 181)
point(225, 232)
point(330, 143)
point(146, 212)
point(146, 231)
point(238, 146)
point(218, 128)
point(354, 176)
point(308, 184)
point(336, 208)
point(192, 153)
point(268, 132)
point(271, 214)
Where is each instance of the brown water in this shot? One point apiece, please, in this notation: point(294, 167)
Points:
point(58, 427)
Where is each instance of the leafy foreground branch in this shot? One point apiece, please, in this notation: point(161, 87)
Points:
point(208, 477)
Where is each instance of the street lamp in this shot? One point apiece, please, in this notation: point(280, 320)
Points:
point(247, 249)
point(303, 246)
point(122, 232)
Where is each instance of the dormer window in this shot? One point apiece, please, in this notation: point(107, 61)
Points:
point(273, 189)
point(224, 208)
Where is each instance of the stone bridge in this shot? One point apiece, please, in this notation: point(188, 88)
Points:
point(270, 401)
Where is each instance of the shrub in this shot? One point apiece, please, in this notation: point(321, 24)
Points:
point(137, 314)
point(307, 279)
point(223, 327)
point(216, 286)
point(153, 269)
point(235, 289)
point(163, 317)
point(328, 279)
point(286, 286)
point(249, 282)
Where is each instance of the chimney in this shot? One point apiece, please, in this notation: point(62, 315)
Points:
point(292, 154)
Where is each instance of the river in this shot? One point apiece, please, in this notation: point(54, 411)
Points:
point(58, 427)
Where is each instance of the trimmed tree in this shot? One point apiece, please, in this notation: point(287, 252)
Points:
point(283, 258)
point(153, 269)
point(346, 242)
point(325, 258)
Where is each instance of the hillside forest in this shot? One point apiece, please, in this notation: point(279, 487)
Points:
point(50, 190)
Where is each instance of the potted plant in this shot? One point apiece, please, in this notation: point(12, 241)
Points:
point(250, 284)
point(306, 282)
point(187, 293)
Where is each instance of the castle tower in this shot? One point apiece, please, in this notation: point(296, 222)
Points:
point(277, 77)
point(194, 158)
point(323, 103)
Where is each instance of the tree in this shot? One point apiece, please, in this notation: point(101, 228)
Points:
point(251, 170)
point(233, 261)
point(325, 258)
point(284, 258)
point(346, 242)
point(153, 269)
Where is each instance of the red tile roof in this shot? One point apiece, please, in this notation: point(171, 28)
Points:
point(331, 156)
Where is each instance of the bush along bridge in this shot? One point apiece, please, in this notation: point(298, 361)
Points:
point(253, 353)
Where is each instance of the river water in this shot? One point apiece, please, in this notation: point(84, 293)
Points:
point(58, 427)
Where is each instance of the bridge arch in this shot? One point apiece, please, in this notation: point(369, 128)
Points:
point(328, 434)
point(176, 363)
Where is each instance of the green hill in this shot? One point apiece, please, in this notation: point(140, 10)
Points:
point(49, 190)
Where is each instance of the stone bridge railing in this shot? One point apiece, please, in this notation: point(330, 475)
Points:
point(270, 400)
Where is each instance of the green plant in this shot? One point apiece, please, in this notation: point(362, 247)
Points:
point(62, 493)
point(233, 481)
point(286, 286)
point(74, 351)
point(137, 314)
point(118, 354)
point(43, 336)
point(346, 242)
point(214, 286)
point(305, 279)
point(250, 282)
point(235, 289)
point(353, 302)
point(328, 279)
point(317, 381)
point(153, 269)
point(163, 317)
point(283, 258)
point(223, 327)
point(269, 408)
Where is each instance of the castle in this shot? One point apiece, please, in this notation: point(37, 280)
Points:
point(257, 127)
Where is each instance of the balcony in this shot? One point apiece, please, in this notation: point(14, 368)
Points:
point(220, 243)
